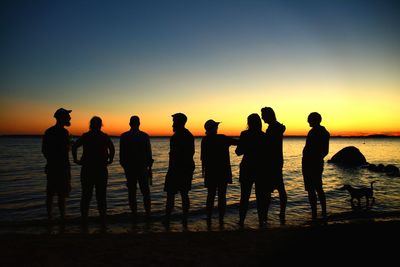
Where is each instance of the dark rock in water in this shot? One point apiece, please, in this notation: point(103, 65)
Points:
point(392, 170)
point(349, 156)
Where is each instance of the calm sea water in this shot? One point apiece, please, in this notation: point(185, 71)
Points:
point(22, 182)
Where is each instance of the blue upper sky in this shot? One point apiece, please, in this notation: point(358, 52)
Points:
point(53, 49)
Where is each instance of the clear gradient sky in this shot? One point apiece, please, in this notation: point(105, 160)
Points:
point(208, 59)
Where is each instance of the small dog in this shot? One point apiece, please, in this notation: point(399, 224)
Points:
point(358, 193)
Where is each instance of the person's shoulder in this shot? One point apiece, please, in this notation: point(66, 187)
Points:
point(105, 135)
point(281, 127)
point(144, 134)
point(325, 131)
point(188, 133)
point(54, 130)
point(49, 130)
point(125, 134)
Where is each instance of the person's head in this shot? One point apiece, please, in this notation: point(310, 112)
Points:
point(62, 116)
point(134, 122)
point(254, 122)
point(179, 121)
point(95, 123)
point(314, 119)
point(268, 115)
point(211, 127)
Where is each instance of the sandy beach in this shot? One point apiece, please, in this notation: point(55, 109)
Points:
point(358, 241)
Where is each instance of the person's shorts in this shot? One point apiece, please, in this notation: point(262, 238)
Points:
point(58, 181)
point(312, 174)
point(274, 180)
point(134, 176)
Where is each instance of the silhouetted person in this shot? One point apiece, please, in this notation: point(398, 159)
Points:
point(274, 159)
point(55, 148)
point(316, 148)
point(216, 167)
point(252, 167)
point(181, 166)
point(98, 152)
point(136, 159)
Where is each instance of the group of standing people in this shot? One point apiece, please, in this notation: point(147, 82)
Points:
point(261, 165)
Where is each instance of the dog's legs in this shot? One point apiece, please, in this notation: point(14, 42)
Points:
point(352, 203)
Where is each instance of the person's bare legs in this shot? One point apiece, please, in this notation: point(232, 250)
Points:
point(211, 192)
point(49, 206)
point(282, 202)
point(185, 206)
point(322, 201)
point(61, 206)
point(221, 203)
point(312, 197)
point(169, 206)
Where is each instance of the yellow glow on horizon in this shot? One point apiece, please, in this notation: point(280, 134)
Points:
point(347, 108)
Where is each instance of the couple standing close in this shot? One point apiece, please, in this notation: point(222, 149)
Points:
point(262, 164)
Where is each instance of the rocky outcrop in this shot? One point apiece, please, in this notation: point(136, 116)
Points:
point(352, 157)
point(389, 169)
point(349, 156)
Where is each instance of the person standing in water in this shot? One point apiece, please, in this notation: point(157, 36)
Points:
point(251, 145)
point(316, 148)
point(55, 148)
point(216, 168)
point(136, 159)
point(98, 152)
point(274, 160)
point(180, 169)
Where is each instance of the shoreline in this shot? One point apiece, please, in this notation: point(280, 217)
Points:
point(359, 241)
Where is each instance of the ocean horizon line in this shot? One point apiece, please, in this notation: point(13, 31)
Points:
point(200, 136)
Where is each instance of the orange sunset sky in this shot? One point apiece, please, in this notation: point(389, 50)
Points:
point(220, 60)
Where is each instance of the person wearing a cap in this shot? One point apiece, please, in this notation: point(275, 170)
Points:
point(274, 160)
point(98, 152)
point(252, 144)
point(180, 168)
point(136, 159)
point(216, 167)
point(55, 148)
point(316, 148)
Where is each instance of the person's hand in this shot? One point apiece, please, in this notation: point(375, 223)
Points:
point(109, 161)
point(79, 162)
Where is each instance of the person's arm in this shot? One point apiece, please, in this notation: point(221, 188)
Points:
point(202, 157)
point(239, 149)
point(45, 147)
point(149, 152)
point(325, 148)
point(122, 151)
point(111, 149)
point(75, 147)
point(232, 141)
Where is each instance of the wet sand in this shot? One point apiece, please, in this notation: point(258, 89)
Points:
point(357, 241)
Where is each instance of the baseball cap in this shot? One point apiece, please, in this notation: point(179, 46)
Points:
point(61, 112)
point(211, 124)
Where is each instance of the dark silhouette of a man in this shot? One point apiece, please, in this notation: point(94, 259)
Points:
point(98, 152)
point(55, 148)
point(274, 159)
point(316, 148)
point(216, 167)
point(180, 169)
point(136, 159)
